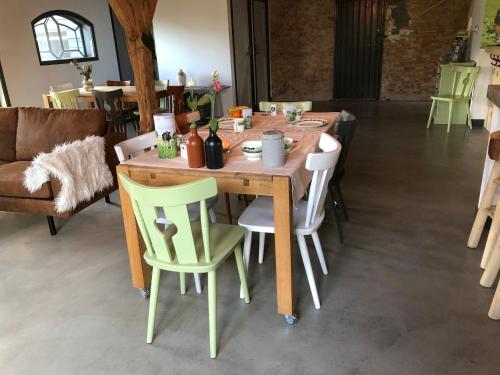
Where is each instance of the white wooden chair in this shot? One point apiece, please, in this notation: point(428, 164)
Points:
point(307, 215)
point(138, 145)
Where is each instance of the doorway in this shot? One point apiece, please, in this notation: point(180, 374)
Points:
point(359, 38)
point(4, 95)
point(250, 34)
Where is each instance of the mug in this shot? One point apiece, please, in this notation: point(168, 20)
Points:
point(239, 125)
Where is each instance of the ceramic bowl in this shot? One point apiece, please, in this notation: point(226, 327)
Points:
point(252, 149)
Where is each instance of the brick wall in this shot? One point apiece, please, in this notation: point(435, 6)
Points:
point(302, 42)
point(418, 34)
point(302, 46)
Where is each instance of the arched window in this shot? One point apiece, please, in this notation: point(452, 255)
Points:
point(62, 36)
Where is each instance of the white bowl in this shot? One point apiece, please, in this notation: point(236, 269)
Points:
point(252, 149)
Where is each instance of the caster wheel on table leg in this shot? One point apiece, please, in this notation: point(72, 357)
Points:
point(145, 292)
point(291, 319)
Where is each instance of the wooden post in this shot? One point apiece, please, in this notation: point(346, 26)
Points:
point(136, 18)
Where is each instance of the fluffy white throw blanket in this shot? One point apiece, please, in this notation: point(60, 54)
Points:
point(80, 166)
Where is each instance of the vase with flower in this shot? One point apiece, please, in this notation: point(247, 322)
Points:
point(86, 72)
point(213, 144)
point(194, 144)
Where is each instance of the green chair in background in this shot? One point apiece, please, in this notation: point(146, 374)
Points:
point(464, 78)
point(67, 99)
point(305, 105)
point(184, 246)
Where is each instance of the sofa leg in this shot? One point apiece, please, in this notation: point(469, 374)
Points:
point(52, 225)
point(106, 198)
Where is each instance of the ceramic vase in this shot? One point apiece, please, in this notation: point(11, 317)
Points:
point(195, 153)
point(87, 84)
point(213, 151)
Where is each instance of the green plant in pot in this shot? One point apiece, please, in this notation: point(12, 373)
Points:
point(213, 144)
point(86, 72)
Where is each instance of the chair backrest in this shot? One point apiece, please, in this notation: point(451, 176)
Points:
point(162, 82)
point(66, 99)
point(183, 120)
point(176, 244)
point(175, 95)
point(322, 164)
point(118, 83)
point(108, 100)
point(464, 78)
point(62, 87)
point(344, 129)
point(305, 105)
point(134, 146)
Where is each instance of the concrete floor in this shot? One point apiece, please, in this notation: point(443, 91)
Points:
point(402, 296)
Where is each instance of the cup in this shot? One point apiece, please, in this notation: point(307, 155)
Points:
point(273, 109)
point(239, 125)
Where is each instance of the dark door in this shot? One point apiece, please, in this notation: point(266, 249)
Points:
point(250, 51)
point(4, 95)
point(359, 40)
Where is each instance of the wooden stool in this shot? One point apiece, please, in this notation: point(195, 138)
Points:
point(486, 208)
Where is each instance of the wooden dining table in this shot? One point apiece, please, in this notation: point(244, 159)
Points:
point(286, 184)
point(129, 94)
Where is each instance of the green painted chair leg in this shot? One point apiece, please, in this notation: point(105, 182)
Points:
point(212, 312)
point(182, 282)
point(450, 115)
point(431, 115)
point(241, 272)
point(153, 298)
point(469, 117)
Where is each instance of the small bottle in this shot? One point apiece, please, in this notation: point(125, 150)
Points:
point(181, 78)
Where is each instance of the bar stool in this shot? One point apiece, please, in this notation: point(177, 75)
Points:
point(486, 208)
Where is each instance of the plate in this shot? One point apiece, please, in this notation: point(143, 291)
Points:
point(311, 123)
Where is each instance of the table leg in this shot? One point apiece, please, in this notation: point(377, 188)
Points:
point(283, 219)
point(141, 272)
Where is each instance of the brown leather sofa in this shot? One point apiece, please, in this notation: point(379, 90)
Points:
point(25, 132)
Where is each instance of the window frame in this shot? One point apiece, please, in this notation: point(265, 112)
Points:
point(74, 17)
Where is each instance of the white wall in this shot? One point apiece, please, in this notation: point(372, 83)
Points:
point(479, 101)
point(194, 35)
point(26, 79)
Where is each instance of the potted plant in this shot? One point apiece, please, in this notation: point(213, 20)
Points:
point(213, 144)
point(194, 144)
point(86, 72)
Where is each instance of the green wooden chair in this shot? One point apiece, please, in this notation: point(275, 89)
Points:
point(67, 99)
point(184, 246)
point(464, 78)
point(305, 105)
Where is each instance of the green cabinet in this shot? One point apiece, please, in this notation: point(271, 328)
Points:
point(445, 87)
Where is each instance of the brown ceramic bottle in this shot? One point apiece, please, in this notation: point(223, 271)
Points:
point(195, 146)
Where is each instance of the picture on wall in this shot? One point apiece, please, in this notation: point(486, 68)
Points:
point(491, 24)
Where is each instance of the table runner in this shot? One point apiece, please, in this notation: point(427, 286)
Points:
point(305, 141)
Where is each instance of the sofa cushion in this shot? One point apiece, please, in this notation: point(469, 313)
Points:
point(12, 178)
point(40, 129)
point(8, 128)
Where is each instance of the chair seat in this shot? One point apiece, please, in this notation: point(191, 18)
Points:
point(451, 98)
point(193, 210)
point(259, 217)
point(223, 239)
